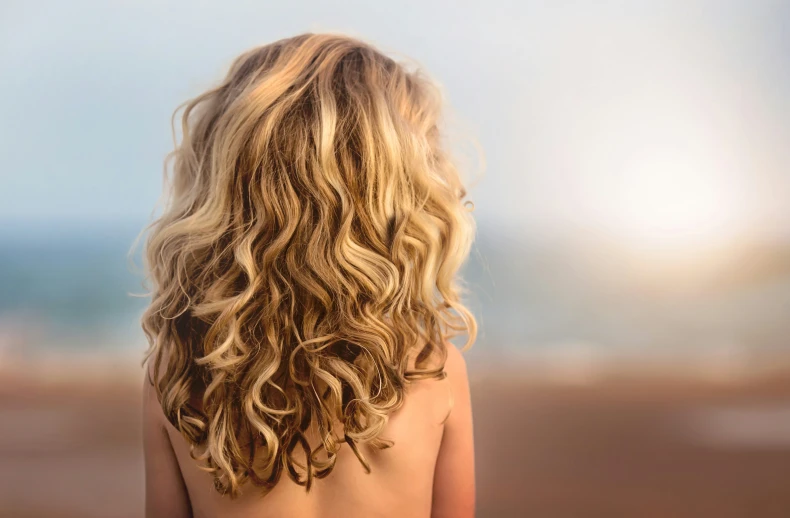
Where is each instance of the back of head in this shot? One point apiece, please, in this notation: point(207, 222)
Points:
point(304, 268)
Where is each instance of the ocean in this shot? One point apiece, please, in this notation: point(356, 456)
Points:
point(70, 288)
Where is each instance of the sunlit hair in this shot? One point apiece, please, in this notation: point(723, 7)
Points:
point(308, 249)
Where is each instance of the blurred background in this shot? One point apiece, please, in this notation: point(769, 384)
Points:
point(631, 276)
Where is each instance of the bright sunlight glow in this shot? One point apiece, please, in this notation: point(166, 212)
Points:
point(673, 204)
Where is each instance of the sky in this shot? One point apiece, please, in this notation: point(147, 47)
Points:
point(666, 122)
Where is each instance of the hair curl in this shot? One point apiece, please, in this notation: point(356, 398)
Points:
point(308, 249)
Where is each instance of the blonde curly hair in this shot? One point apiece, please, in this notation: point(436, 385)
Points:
point(306, 255)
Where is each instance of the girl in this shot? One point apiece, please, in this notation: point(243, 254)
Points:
point(304, 293)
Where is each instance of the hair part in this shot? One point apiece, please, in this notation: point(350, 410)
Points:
point(308, 251)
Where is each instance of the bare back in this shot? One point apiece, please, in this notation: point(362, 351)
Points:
point(428, 472)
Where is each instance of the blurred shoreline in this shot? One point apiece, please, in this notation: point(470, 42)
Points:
point(559, 364)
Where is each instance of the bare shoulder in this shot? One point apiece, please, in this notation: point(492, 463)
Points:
point(455, 358)
point(455, 366)
point(454, 480)
point(165, 491)
point(152, 407)
point(152, 410)
point(457, 380)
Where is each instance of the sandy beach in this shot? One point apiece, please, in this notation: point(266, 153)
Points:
point(610, 448)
